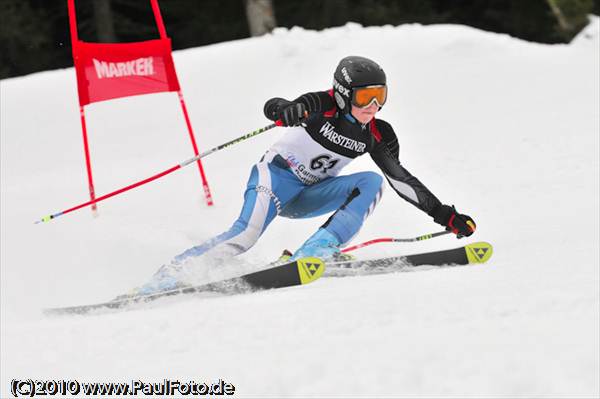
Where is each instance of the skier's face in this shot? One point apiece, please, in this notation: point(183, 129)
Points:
point(364, 115)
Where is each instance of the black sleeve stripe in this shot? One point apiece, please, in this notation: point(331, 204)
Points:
point(314, 99)
point(320, 105)
point(389, 137)
point(394, 147)
point(319, 101)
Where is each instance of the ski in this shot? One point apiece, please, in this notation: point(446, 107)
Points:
point(478, 252)
point(300, 272)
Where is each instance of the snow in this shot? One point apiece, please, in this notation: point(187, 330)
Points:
point(506, 130)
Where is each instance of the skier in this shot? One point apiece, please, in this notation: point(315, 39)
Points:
point(298, 176)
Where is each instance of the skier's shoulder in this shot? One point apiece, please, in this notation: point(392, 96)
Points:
point(385, 138)
point(382, 130)
point(320, 102)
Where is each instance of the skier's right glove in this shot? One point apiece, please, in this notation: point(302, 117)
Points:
point(292, 114)
point(461, 225)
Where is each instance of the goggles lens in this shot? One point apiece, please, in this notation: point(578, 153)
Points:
point(362, 97)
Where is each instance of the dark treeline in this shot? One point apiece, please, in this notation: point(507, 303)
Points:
point(34, 34)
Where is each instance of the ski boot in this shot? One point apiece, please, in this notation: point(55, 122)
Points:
point(337, 257)
point(322, 245)
point(165, 279)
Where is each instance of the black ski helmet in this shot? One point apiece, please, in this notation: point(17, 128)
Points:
point(351, 72)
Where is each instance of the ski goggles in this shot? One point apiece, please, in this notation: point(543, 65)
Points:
point(362, 97)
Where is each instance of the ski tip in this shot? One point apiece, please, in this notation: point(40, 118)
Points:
point(310, 269)
point(67, 311)
point(479, 252)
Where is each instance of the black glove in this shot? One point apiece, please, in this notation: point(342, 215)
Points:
point(461, 225)
point(293, 114)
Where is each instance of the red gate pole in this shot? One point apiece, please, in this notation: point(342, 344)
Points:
point(88, 163)
point(207, 194)
point(163, 35)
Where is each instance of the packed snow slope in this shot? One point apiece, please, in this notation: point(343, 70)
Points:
point(504, 129)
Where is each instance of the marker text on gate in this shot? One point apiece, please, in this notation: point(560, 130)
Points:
point(138, 67)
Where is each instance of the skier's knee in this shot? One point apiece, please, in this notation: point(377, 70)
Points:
point(245, 235)
point(374, 178)
point(370, 182)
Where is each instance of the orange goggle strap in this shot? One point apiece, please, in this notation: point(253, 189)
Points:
point(362, 97)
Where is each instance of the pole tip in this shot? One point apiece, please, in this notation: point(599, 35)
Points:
point(44, 219)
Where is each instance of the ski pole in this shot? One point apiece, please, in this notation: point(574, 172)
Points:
point(386, 239)
point(163, 173)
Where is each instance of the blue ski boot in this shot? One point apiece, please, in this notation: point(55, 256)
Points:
point(165, 279)
point(322, 245)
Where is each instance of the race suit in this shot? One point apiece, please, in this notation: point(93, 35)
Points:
point(298, 177)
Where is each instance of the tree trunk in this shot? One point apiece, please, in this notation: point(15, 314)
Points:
point(105, 28)
point(261, 16)
point(564, 25)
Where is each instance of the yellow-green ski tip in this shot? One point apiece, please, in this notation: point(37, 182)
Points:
point(310, 269)
point(479, 252)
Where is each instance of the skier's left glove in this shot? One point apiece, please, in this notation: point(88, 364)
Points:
point(459, 224)
point(293, 114)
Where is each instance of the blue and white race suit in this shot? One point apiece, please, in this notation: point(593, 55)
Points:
point(298, 177)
